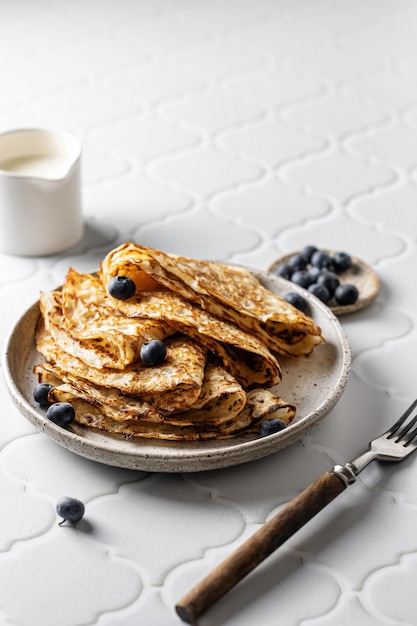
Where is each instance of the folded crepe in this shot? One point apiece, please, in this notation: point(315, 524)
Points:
point(94, 416)
point(223, 410)
point(232, 294)
point(245, 356)
point(80, 319)
point(172, 386)
point(221, 397)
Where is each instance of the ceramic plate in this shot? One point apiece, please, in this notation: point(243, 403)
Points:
point(359, 274)
point(314, 384)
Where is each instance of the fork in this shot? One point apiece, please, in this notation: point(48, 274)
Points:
point(393, 445)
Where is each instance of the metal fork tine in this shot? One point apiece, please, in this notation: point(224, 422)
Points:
point(406, 429)
point(391, 431)
point(410, 436)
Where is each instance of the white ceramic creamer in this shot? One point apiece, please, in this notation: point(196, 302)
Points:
point(40, 191)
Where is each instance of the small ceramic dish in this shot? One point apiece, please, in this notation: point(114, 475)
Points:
point(359, 274)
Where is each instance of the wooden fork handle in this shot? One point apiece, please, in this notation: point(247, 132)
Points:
point(259, 546)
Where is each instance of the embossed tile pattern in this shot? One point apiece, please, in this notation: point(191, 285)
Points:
point(236, 131)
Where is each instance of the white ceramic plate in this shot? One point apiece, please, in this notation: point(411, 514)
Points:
point(359, 274)
point(314, 384)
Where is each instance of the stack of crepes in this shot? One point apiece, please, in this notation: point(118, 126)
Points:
point(223, 331)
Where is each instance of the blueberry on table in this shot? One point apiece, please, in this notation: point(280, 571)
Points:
point(270, 426)
point(153, 352)
point(320, 291)
point(61, 413)
point(121, 287)
point(341, 261)
point(70, 509)
point(346, 294)
point(296, 300)
point(40, 394)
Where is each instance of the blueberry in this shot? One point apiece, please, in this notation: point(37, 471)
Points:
point(341, 261)
point(314, 273)
point(270, 426)
point(61, 413)
point(302, 278)
point(346, 294)
point(40, 394)
point(307, 252)
point(153, 352)
point(296, 262)
point(121, 287)
point(321, 259)
point(329, 280)
point(296, 300)
point(284, 271)
point(320, 291)
point(70, 509)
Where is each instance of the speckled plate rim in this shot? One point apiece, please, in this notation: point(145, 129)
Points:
point(19, 356)
point(362, 275)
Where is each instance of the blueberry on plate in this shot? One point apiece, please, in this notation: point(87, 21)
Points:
point(61, 413)
point(284, 271)
point(320, 291)
point(321, 260)
point(314, 273)
point(296, 300)
point(307, 252)
point(270, 426)
point(40, 394)
point(153, 352)
point(296, 262)
point(121, 287)
point(302, 278)
point(70, 509)
point(346, 294)
point(329, 280)
point(341, 261)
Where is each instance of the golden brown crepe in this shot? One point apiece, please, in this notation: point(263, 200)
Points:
point(81, 318)
point(174, 385)
point(95, 416)
point(230, 293)
point(220, 398)
point(245, 356)
point(222, 409)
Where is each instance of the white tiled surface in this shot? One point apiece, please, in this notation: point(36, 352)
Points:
point(239, 131)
